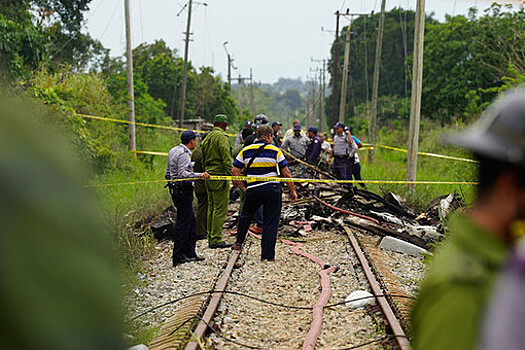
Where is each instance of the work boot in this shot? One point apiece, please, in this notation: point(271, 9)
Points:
point(221, 244)
point(197, 258)
point(181, 261)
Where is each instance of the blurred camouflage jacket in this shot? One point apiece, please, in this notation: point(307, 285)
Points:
point(450, 306)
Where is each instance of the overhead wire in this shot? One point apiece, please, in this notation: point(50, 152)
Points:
point(291, 307)
point(110, 19)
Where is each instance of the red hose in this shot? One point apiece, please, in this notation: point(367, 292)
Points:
point(326, 293)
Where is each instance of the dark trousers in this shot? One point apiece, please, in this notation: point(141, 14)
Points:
point(270, 197)
point(186, 226)
point(339, 166)
point(350, 168)
point(356, 173)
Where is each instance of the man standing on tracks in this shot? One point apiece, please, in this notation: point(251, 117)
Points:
point(276, 127)
point(340, 151)
point(313, 150)
point(296, 144)
point(180, 167)
point(453, 297)
point(217, 160)
point(262, 159)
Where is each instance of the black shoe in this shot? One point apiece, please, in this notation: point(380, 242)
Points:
point(197, 258)
point(221, 244)
point(181, 261)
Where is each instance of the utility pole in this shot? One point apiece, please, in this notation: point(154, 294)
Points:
point(344, 85)
point(342, 103)
point(372, 127)
point(230, 64)
point(417, 84)
point(335, 70)
point(322, 88)
point(252, 97)
point(322, 116)
point(129, 71)
point(313, 119)
point(240, 81)
point(185, 69)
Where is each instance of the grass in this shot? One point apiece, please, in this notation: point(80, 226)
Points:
point(392, 165)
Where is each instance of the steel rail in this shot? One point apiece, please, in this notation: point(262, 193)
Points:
point(397, 330)
point(215, 299)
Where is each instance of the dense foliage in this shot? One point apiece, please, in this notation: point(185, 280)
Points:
point(467, 60)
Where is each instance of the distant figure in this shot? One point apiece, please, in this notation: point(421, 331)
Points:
point(276, 128)
point(313, 150)
point(262, 159)
point(217, 160)
point(179, 166)
point(354, 168)
point(59, 284)
point(258, 121)
point(326, 150)
point(342, 151)
point(247, 130)
point(453, 296)
point(296, 144)
point(290, 131)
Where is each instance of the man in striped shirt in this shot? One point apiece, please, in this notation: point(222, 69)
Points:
point(262, 160)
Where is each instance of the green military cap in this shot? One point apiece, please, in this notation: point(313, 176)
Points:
point(221, 118)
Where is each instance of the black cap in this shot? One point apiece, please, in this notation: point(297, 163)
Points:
point(276, 123)
point(187, 136)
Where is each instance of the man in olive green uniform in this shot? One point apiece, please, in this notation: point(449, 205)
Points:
point(217, 160)
point(201, 194)
point(449, 310)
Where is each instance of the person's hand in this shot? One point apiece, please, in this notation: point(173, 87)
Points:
point(205, 176)
point(293, 196)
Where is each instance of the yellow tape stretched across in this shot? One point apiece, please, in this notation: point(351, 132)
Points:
point(122, 121)
point(280, 179)
point(425, 153)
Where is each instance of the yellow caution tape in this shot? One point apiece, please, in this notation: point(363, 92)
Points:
point(280, 179)
point(234, 135)
point(426, 154)
point(152, 153)
point(123, 121)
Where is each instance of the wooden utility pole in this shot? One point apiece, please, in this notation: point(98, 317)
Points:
point(372, 126)
point(252, 97)
point(335, 71)
point(313, 119)
point(322, 88)
point(342, 103)
point(322, 116)
point(129, 71)
point(230, 65)
point(417, 84)
point(185, 69)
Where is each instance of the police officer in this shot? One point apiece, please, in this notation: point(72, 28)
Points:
point(296, 144)
point(313, 151)
point(262, 159)
point(341, 151)
point(276, 128)
point(180, 167)
point(453, 297)
point(217, 160)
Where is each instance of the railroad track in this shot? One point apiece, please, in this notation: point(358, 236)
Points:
point(219, 321)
